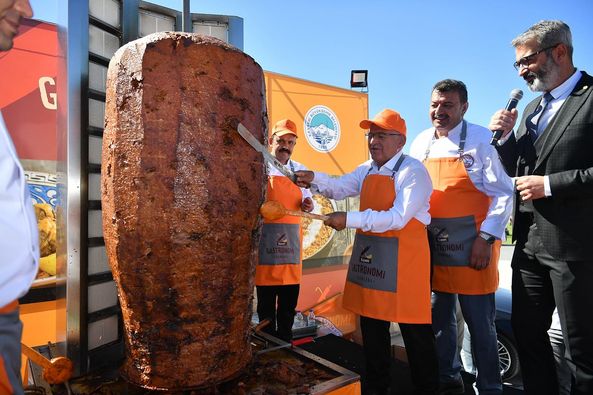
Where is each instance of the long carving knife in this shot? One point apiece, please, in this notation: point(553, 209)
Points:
point(259, 147)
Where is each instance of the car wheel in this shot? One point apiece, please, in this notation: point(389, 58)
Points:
point(509, 358)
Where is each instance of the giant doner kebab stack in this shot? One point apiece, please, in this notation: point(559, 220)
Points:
point(180, 196)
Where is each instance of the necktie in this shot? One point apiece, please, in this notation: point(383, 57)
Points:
point(529, 122)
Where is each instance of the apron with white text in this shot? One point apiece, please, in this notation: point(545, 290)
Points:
point(389, 273)
point(280, 254)
point(457, 209)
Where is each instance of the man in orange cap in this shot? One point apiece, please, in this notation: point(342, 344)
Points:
point(389, 273)
point(19, 243)
point(469, 207)
point(278, 273)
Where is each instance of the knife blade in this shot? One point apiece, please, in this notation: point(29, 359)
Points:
point(259, 147)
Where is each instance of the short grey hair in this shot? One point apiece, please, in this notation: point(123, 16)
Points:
point(547, 34)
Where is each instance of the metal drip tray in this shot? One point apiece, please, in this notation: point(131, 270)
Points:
point(288, 370)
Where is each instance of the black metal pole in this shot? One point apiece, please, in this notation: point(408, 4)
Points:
point(186, 17)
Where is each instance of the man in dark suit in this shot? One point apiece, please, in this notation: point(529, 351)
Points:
point(551, 156)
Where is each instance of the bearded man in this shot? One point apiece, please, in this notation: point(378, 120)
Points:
point(550, 156)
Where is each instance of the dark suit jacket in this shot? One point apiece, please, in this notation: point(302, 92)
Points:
point(563, 152)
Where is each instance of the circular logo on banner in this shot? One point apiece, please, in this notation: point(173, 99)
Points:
point(322, 129)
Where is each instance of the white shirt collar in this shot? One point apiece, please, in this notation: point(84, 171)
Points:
point(454, 131)
point(390, 164)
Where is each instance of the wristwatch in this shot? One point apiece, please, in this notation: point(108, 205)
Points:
point(487, 237)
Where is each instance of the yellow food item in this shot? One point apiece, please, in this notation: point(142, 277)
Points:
point(48, 264)
point(47, 236)
point(315, 234)
point(46, 224)
point(44, 210)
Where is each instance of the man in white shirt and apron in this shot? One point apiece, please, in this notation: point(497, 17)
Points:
point(389, 272)
point(469, 208)
point(279, 269)
point(19, 244)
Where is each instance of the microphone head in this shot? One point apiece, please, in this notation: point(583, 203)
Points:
point(516, 94)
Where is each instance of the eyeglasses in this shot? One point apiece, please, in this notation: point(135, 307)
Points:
point(525, 61)
point(379, 136)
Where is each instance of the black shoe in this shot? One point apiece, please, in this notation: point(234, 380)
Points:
point(452, 388)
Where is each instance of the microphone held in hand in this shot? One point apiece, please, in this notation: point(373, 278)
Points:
point(516, 95)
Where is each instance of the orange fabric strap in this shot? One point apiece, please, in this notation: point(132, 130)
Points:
point(5, 386)
point(10, 307)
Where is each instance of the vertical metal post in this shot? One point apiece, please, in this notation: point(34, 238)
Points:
point(130, 28)
point(186, 17)
point(235, 35)
point(73, 33)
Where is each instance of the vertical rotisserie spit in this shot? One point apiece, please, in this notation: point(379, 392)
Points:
point(180, 197)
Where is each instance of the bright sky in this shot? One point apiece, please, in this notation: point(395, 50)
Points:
point(406, 45)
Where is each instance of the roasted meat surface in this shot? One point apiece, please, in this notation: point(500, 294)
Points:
point(180, 197)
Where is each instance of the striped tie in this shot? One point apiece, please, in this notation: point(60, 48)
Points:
point(533, 119)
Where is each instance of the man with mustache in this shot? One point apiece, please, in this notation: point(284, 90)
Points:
point(389, 272)
point(278, 272)
point(551, 156)
point(469, 209)
point(19, 243)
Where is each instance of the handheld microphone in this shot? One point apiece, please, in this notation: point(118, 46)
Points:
point(516, 95)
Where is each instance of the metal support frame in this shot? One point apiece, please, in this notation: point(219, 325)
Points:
point(186, 17)
point(72, 119)
point(129, 18)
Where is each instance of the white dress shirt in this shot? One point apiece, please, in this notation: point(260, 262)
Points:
point(292, 165)
point(19, 240)
point(412, 192)
point(486, 173)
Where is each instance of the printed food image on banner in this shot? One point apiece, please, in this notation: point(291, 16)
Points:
point(42, 187)
point(46, 224)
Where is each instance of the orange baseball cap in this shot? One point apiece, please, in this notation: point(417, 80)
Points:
point(388, 120)
point(284, 126)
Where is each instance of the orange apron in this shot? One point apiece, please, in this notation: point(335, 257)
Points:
point(280, 254)
point(389, 273)
point(457, 209)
